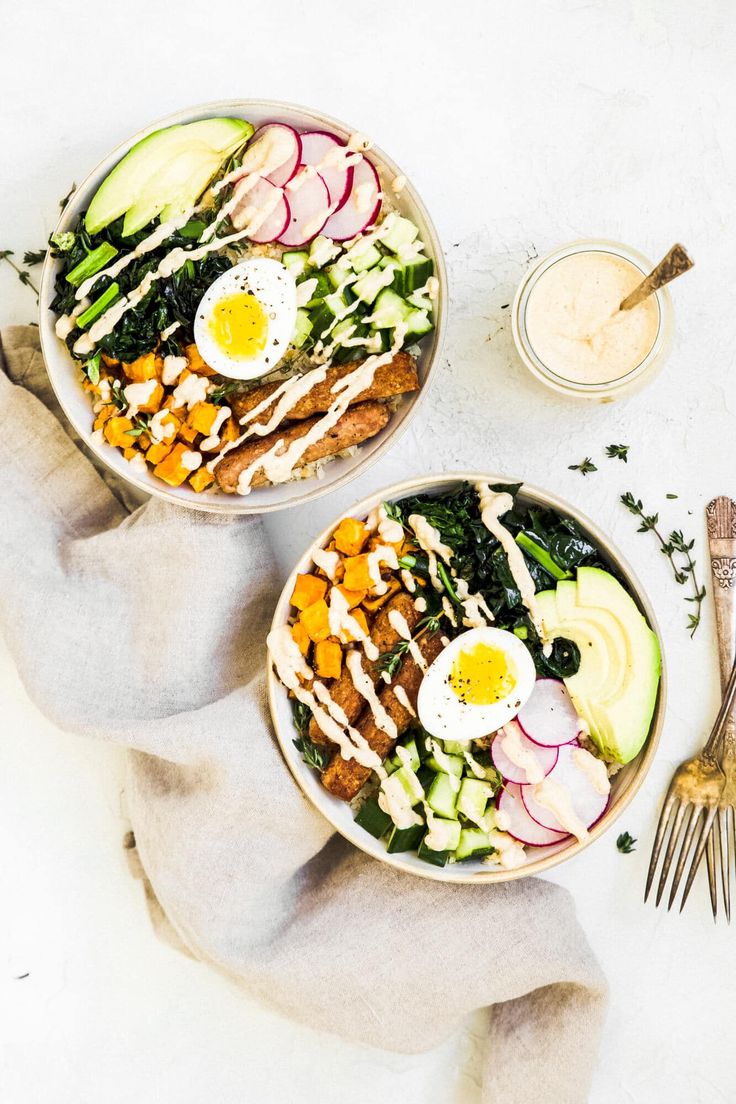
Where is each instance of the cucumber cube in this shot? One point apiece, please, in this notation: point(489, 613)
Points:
point(339, 272)
point(444, 834)
point(441, 797)
point(418, 323)
point(319, 287)
point(296, 261)
point(406, 778)
point(473, 797)
point(322, 251)
point(436, 858)
point(372, 817)
point(367, 286)
point(398, 231)
point(473, 844)
point(416, 274)
point(302, 329)
point(390, 310)
point(405, 839)
point(363, 257)
point(455, 747)
point(451, 764)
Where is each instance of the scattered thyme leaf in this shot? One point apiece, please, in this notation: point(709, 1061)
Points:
point(24, 277)
point(618, 452)
point(675, 546)
point(584, 466)
point(670, 495)
point(625, 843)
point(34, 256)
point(223, 391)
point(63, 202)
point(313, 754)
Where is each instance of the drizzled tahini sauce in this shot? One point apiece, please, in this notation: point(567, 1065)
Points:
point(493, 505)
point(521, 756)
point(328, 562)
point(389, 529)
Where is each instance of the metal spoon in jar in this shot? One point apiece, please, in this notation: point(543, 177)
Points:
point(669, 268)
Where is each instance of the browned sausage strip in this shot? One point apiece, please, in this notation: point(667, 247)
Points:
point(345, 777)
point(395, 378)
point(385, 637)
point(357, 424)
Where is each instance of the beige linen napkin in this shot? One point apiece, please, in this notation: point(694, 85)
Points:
point(147, 628)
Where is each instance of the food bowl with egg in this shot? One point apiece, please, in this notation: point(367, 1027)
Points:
point(569, 330)
point(465, 678)
point(242, 306)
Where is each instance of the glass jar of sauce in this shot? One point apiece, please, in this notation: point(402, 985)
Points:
point(570, 332)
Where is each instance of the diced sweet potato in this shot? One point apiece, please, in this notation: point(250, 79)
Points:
point(157, 451)
point(362, 621)
point(142, 369)
point(196, 363)
point(104, 415)
point(301, 636)
point(315, 619)
point(202, 417)
point(129, 453)
point(352, 597)
point(171, 469)
point(357, 573)
point(328, 659)
point(307, 590)
point(116, 431)
point(152, 404)
point(350, 536)
point(187, 433)
point(201, 479)
point(230, 431)
point(377, 600)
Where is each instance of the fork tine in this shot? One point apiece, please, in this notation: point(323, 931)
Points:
point(705, 834)
point(710, 859)
point(687, 842)
point(731, 812)
point(676, 825)
point(725, 868)
point(658, 839)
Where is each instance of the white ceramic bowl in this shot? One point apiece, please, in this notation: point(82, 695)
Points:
point(624, 785)
point(66, 378)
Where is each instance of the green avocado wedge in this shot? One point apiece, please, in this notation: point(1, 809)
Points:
point(164, 173)
point(615, 687)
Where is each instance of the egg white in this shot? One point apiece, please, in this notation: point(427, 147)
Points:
point(274, 288)
point(445, 716)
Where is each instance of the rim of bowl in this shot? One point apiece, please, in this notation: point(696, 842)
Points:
point(396, 429)
point(642, 763)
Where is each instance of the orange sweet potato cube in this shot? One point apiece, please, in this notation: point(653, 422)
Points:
point(202, 417)
point(104, 415)
point(350, 536)
point(171, 469)
point(116, 431)
point(361, 619)
point(152, 404)
point(352, 597)
point(157, 451)
point(142, 369)
point(201, 479)
point(301, 636)
point(307, 590)
point(357, 573)
point(187, 433)
point(196, 363)
point(328, 659)
point(316, 621)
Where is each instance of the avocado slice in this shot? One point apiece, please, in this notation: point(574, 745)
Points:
point(615, 688)
point(165, 172)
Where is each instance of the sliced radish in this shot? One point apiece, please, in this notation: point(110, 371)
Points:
point(548, 717)
point(360, 210)
point(266, 207)
point(273, 152)
point(513, 772)
point(309, 203)
point(327, 154)
point(517, 822)
point(588, 803)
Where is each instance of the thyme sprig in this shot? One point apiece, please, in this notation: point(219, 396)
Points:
point(390, 662)
point(625, 843)
point(618, 452)
point(23, 275)
point(675, 546)
point(223, 391)
point(584, 466)
point(314, 755)
point(140, 426)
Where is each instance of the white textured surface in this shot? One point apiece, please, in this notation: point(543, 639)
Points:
point(523, 126)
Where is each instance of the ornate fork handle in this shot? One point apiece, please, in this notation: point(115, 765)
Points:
point(721, 522)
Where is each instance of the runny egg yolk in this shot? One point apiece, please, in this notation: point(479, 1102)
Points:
point(482, 675)
point(239, 326)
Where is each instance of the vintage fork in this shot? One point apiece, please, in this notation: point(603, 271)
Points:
point(721, 522)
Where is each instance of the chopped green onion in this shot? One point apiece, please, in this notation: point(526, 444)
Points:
point(92, 263)
point(98, 306)
point(445, 579)
point(542, 556)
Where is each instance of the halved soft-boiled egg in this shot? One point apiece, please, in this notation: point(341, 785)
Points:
point(245, 319)
point(477, 684)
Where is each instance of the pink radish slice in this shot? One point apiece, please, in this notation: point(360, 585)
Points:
point(309, 203)
point(360, 209)
point(586, 801)
point(318, 148)
point(519, 824)
point(548, 717)
point(262, 197)
point(284, 143)
point(512, 772)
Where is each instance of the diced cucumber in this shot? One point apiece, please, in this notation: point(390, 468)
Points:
point(406, 778)
point(473, 844)
point(296, 260)
point(380, 341)
point(322, 251)
point(421, 302)
point(399, 231)
point(441, 797)
point(445, 834)
point(372, 817)
point(393, 762)
point(302, 329)
point(339, 272)
point(418, 323)
point(363, 256)
point(451, 764)
point(412, 276)
point(473, 797)
point(324, 314)
point(437, 858)
point(454, 747)
point(390, 310)
point(319, 288)
point(368, 286)
point(425, 776)
point(405, 839)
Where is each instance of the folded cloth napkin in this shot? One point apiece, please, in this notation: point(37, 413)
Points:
point(145, 625)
